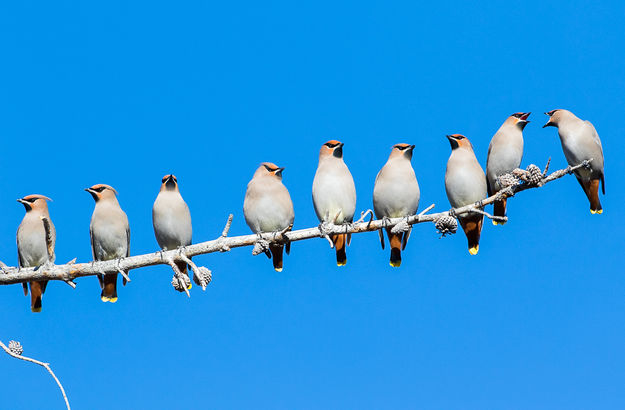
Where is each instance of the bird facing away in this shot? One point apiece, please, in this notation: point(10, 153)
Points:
point(268, 208)
point(581, 142)
point(171, 219)
point(334, 194)
point(505, 153)
point(36, 238)
point(465, 184)
point(110, 235)
point(396, 194)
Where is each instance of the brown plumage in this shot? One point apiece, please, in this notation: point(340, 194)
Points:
point(472, 227)
point(499, 209)
point(340, 242)
point(591, 189)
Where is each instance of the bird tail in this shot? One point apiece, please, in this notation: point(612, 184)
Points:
point(396, 246)
point(184, 269)
point(340, 242)
point(109, 288)
point(593, 197)
point(276, 251)
point(472, 226)
point(37, 289)
point(499, 210)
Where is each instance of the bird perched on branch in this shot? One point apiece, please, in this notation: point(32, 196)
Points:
point(396, 194)
point(171, 219)
point(36, 238)
point(465, 184)
point(334, 194)
point(505, 153)
point(268, 207)
point(110, 235)
point(580, 142)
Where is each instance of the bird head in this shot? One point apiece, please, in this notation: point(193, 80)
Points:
point(36, 202)
point(458, 141)
point(169, 183)
point(332, 148)
point(402, 150)
point(101, 191)
point(520, 119)
point(270, 169)
point(554, 118)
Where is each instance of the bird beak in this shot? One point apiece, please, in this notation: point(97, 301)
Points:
point(411, 147)
point(450, 138)
point(525, 116)
point(91, 191)
point(21, 201)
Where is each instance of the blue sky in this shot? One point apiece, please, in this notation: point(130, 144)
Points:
point(124, 93)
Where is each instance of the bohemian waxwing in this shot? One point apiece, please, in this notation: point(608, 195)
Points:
point(268, 208)
point(504, 155)
point(465, 184)
point(581, 142)
point(396, 194)
point(171, 219)
point(334, 194)
point(34, 247)
point(110, 235)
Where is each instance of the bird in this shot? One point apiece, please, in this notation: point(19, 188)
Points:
point(396, 194)
point(36, 238)
point(334, 194)
point(505, 153)
point(465, 184)
point(171, 219)
point(268, 207)
point(110, 235)
point(580, 142)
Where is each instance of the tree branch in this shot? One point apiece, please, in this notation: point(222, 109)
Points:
point(525, 180)
point(15, 350)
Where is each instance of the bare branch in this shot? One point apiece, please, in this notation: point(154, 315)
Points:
point(15, 350)
point(223, 243)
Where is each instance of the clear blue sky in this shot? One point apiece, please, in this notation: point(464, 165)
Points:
point(123, 93)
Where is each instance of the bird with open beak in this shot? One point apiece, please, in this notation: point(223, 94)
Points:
point(505, 153)
point(580, 142)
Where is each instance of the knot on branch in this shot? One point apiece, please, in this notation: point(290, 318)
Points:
point(446, 225)
point(508, 180)
point(181, 282)
point(16, 348)
point(202, 276)
point(403, 226)
point(261, 246)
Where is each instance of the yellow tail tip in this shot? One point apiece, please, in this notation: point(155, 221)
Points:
point(190, 286)
point(341, 263)
point(598, 211)
point(395, 264)
point(104, 298)
point(474, 250)
point(112, 300)
point(278, 269)
point(35, 310)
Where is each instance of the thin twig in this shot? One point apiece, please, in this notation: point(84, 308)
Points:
point(44, 365)
point(224, 233)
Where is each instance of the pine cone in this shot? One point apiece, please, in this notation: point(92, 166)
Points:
point(446, 225)
point(534, 175)
point(261, 246)
point(176, 282)
point(205, 277)
point(16, 348)
point(507, 180)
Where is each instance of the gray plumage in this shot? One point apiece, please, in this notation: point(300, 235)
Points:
point(396, 194)
point(465, 183)
point(505, 153)
point(110, 234)
point(171, 217)
point(35, 246)
point(268, 207)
